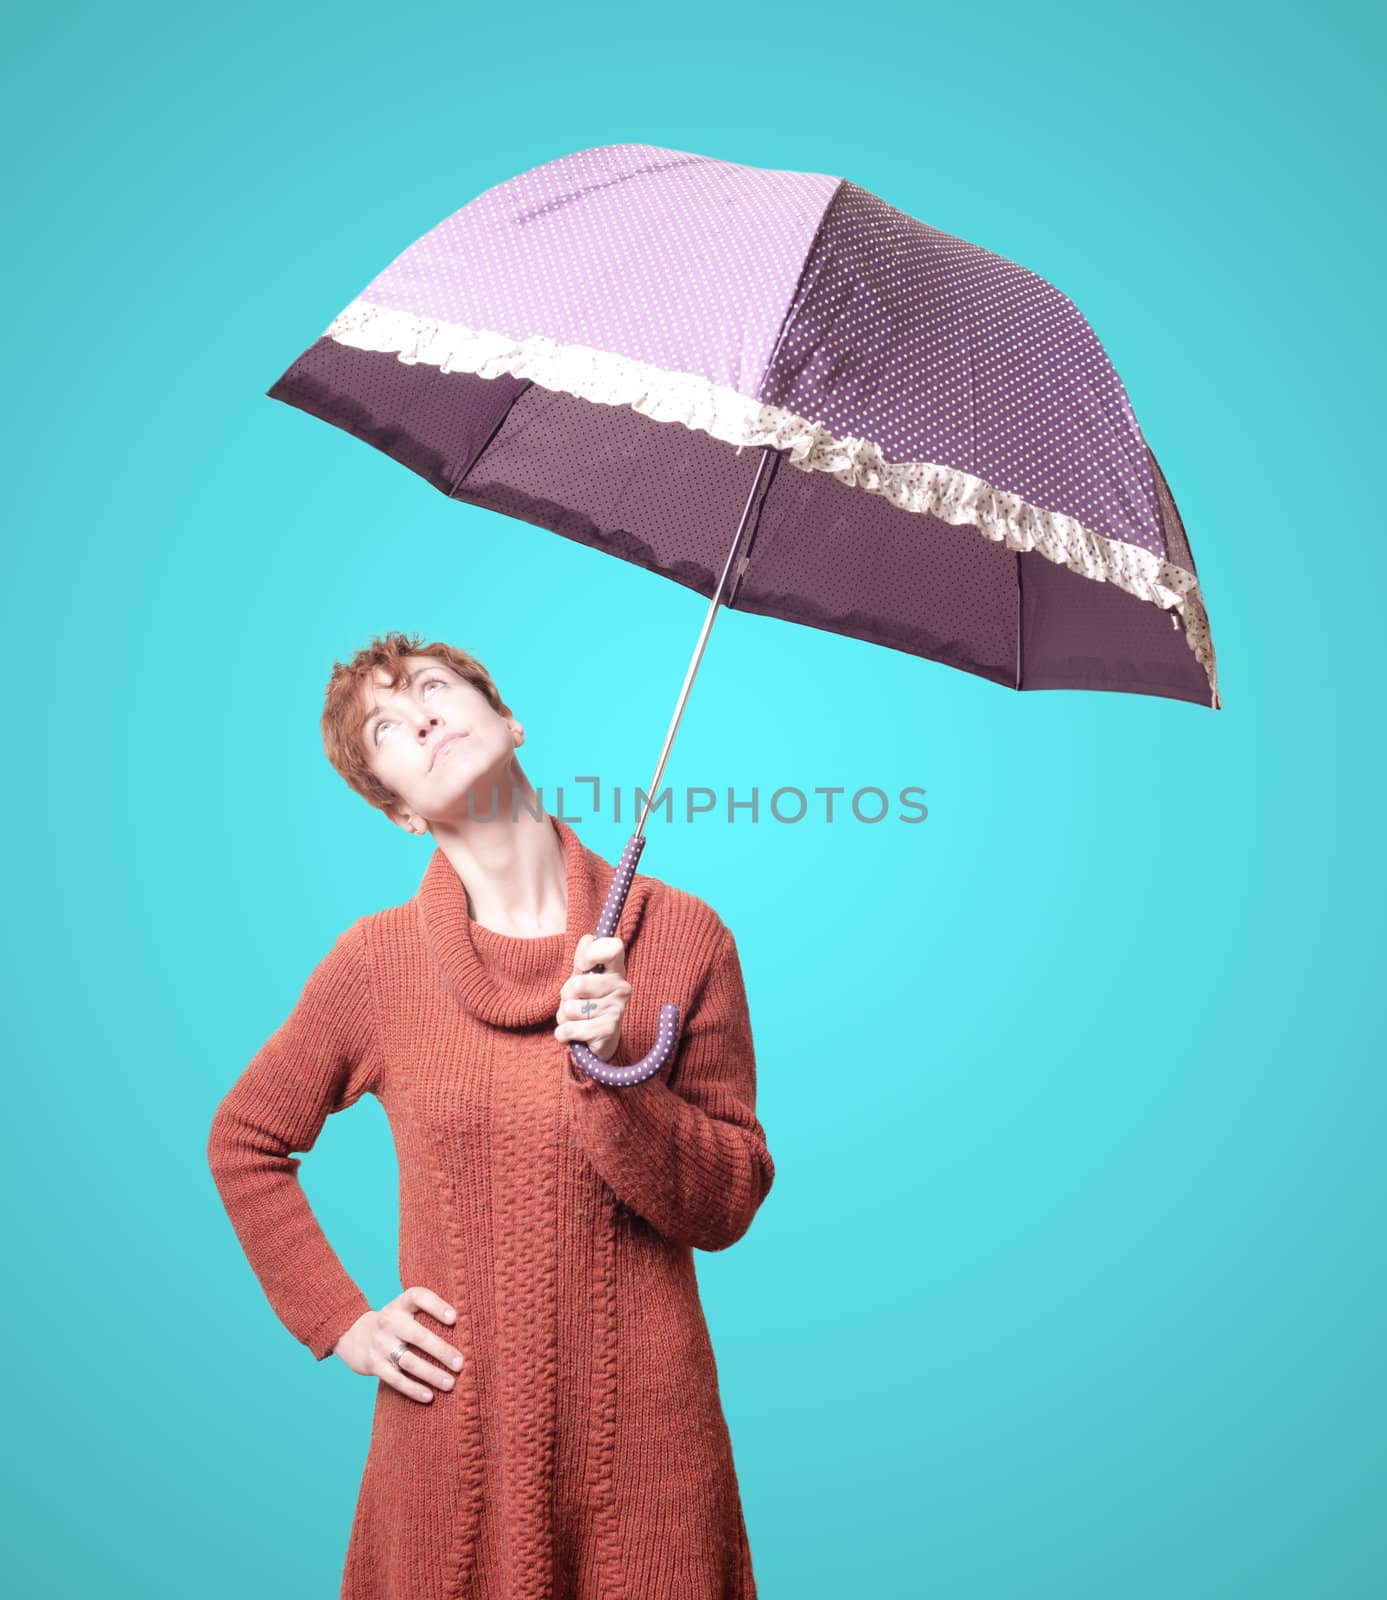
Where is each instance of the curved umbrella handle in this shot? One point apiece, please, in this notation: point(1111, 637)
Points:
point(667, 1037)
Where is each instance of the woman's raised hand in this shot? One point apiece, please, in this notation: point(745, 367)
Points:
point(367, 1344)
point(604, 994)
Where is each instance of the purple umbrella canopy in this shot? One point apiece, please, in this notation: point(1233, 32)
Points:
point(970, 482)
point(972, 485)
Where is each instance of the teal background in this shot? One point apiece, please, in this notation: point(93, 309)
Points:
point(1070, 1283)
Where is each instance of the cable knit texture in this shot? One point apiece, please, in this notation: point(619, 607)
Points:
point(582, 1453)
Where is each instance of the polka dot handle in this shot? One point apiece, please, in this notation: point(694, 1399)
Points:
point(667, 1034)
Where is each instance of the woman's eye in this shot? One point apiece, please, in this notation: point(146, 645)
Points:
point(382, 722)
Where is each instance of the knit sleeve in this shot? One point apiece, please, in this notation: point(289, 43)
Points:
point(688, 1155)
point(321, 1059)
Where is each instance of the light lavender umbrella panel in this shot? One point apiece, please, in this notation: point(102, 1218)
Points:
point(971, 483)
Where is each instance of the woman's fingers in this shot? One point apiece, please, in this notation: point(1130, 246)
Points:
point(609, 1005)
point(411, 1366)
point(589, 1006)
point(421, 1367)
point(416, 1334)
point(397, 1326)
point(581, 1010)
point(591, 949)
point(419, 1298)
point(593, 952)
point(593, 1030)
point(604, 994)
point(593, 986)
point(597, 1026)
point(398, 1376)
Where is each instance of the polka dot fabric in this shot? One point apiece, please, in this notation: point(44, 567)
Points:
point(939, 351)
point(519, 355)
point(672, 259)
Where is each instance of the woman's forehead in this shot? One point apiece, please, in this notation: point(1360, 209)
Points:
point(413, 666)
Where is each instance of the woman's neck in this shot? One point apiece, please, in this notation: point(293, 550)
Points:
point(514, 872)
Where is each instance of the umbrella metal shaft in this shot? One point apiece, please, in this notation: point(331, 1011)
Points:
point(698, 648)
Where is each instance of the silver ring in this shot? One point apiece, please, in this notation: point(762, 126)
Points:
point(397, 1352)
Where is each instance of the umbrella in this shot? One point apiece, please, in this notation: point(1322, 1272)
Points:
point(593, 345)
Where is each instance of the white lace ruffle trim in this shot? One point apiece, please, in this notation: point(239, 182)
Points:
point(954, 496)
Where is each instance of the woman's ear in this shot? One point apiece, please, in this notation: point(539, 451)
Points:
point(406, 820)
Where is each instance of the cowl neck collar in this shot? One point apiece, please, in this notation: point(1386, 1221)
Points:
point(513, 982)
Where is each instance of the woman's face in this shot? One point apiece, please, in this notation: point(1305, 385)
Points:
point(434, 739)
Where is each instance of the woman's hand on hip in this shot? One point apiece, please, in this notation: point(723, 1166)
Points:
point(367, 1344)
point(603, 994)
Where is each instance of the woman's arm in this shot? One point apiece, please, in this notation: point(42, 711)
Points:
point(320, 1060)
point(691, 1159)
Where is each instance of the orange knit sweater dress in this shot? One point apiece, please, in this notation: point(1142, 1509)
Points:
point(582, 1453)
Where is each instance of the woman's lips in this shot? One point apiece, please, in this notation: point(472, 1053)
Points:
point(443, 744)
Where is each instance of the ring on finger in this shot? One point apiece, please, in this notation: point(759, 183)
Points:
point(397, 1352)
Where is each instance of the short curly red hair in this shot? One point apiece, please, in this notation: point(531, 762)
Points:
point(345, 703)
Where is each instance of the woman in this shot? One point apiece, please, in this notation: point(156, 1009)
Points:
point(547, 1421)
